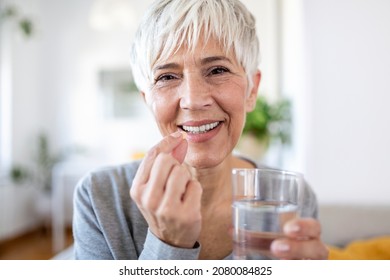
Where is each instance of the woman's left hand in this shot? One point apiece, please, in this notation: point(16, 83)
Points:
point(303, 241)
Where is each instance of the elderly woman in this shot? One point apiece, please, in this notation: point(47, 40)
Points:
point(195, 63)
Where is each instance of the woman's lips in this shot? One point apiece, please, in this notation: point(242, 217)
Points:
point(200, 128)
point(201, 131)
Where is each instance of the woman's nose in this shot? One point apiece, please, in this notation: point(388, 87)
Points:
point(195, 94)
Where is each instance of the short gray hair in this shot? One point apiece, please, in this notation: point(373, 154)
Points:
point(169, 24)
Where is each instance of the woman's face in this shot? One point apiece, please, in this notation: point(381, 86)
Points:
point(206, 94)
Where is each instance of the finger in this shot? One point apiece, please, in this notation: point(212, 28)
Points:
point(159, 177)
point(193, 194)
point(167, 145)
point(312, 249)
point(303, 228)
point(192, 200)
point(180, 151)
point(176, 186)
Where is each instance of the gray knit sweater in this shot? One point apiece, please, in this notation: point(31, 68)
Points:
point(107, 224)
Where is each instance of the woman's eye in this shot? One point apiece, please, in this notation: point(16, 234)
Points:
point(165, 78)
point(218, 70)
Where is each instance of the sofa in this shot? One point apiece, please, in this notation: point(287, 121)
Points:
point(345, 223)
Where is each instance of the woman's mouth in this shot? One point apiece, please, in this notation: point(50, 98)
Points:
point(200, 129)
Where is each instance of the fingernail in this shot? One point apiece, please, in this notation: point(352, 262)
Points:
point(177, 134)
point(184, 135)
point(281, 246)
point(292, 228)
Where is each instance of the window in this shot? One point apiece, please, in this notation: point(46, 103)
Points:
point(5, 101)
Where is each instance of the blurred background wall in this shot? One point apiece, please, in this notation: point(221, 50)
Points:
point(348, 134)
point(330, 57)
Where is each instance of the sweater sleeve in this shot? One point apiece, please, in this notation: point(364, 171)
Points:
point(89, 243)
point(155, 249)
point(102, 231)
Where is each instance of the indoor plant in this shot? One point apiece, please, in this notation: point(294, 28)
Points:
point(269, 123)
point(43, 162)
point(10, 12)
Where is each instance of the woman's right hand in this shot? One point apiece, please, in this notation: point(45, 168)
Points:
point(167, 195)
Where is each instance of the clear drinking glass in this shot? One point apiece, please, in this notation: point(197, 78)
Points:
point(263, 201)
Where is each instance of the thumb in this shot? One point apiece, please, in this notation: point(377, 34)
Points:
point(180, 151)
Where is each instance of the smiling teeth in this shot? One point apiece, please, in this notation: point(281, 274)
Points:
point(200, 129)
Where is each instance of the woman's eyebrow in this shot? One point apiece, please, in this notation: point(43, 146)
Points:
point(203, 61)
point(166, 66)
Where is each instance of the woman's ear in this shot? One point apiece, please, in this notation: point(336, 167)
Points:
point(146, 99)
point(143, 96)
point(252, 97)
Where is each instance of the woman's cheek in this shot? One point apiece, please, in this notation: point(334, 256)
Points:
point(163, 114)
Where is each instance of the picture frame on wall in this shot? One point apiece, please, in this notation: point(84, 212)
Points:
point(120, 96)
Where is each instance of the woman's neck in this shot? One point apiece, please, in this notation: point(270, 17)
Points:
point(216, 181)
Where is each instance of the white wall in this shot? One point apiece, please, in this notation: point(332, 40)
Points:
point(17, 210)
point(56, 83)
point(347, 45)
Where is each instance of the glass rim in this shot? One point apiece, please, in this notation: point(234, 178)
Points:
point(269, 170)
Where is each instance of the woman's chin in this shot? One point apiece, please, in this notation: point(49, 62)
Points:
point(203, 160)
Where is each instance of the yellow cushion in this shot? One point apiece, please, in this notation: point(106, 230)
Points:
point(371, 249)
